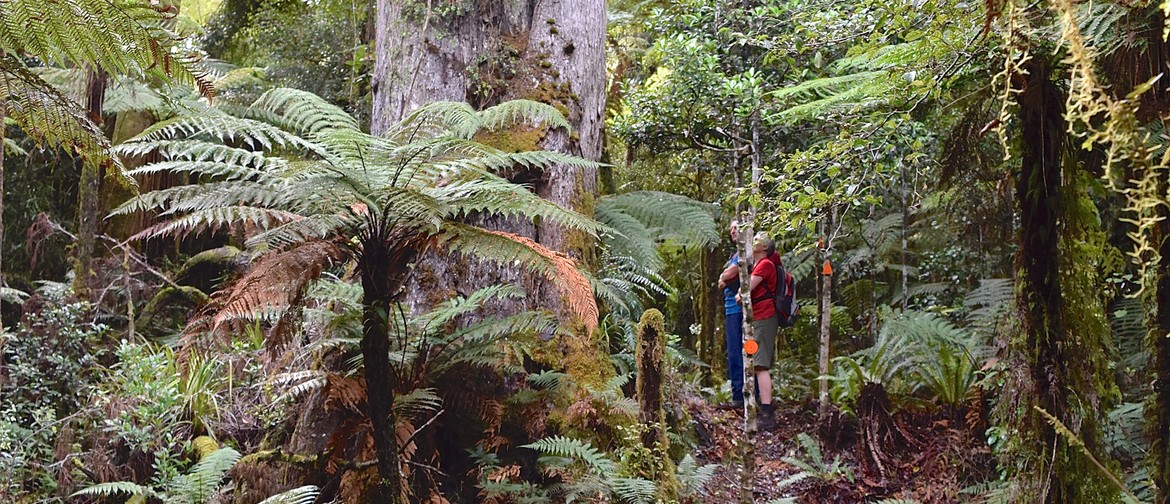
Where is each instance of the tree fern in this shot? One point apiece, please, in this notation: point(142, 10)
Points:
point(431, 182)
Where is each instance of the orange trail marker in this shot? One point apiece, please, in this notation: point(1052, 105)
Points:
point(751, 347)
point(828, 269)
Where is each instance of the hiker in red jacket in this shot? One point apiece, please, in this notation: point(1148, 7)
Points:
point(764, 322)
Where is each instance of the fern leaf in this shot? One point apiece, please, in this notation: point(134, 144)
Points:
point(300, 495)
point(117, 488)
point(560, 269)
point(578, 450)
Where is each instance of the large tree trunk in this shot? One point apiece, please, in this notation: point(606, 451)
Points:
point(484, 53)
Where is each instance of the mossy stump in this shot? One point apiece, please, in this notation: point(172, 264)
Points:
point(651, 357)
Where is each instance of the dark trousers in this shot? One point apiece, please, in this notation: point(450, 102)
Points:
point(734, 331)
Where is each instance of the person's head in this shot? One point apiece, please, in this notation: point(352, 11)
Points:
point(762, 246)
point(734, 230)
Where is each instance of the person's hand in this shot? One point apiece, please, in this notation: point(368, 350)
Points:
point(737, 300)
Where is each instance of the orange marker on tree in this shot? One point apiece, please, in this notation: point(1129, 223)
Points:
point(751, 347)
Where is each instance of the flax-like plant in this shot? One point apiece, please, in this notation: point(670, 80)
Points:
point(308, 188)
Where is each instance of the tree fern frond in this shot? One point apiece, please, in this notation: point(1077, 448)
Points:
point(224, 127)
point(418, 401)
point(116, 488)
point(557, 267)
point(303, 111)
point(629, 238)
point(304, 381)
point(669, 216)
point(456, 117)
point(513, 112)
point(217, 218)
point(447, 311)
point(300, 495)
point(272, 284)
point(125, 38)
point(51, 118)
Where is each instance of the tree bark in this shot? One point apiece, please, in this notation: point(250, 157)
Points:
point(383, 265)
point(3, 132)
point(1158, 407)
point(89, 193)
point(826, 313)
point(484, 53)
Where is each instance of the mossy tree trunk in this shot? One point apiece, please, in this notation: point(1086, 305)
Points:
point(1158, 407)
point(1065, 374)
point(484, 53)
point(650, 390)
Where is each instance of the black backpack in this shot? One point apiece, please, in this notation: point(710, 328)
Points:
point(784, 298)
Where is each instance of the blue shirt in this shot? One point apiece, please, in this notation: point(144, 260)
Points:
point(730, 307)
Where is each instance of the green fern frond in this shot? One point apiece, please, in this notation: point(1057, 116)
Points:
point(513, 112)
point(50, 117)
point(549, 379)
point(668, 216)
point(634, 490)
point(204, 477)
point(124, 38)
point(694, 477)
point(303, 112)
point(577, 450)
point(117, 488)
point(300, 495)
point(418, 401)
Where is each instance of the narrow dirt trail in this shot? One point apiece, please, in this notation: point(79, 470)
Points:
point(947, 457)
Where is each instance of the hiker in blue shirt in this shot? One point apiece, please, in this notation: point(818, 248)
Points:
point(733, 318)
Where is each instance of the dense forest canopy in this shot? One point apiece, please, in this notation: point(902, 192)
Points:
point(289, 251)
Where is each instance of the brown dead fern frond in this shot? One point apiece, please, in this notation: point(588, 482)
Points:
point(272, 285)
point(562, 271)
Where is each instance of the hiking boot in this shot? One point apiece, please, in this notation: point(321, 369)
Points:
point(766, 421)
point(733, 406)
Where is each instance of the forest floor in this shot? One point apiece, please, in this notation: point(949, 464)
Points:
point(926, 456)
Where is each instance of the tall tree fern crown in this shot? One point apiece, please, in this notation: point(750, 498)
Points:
point(294, 169)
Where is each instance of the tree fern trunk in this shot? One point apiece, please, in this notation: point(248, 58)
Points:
point(1158, 408)
point(3, 132)
point(89, 194)
point(1038, 191)
point(383, 266)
